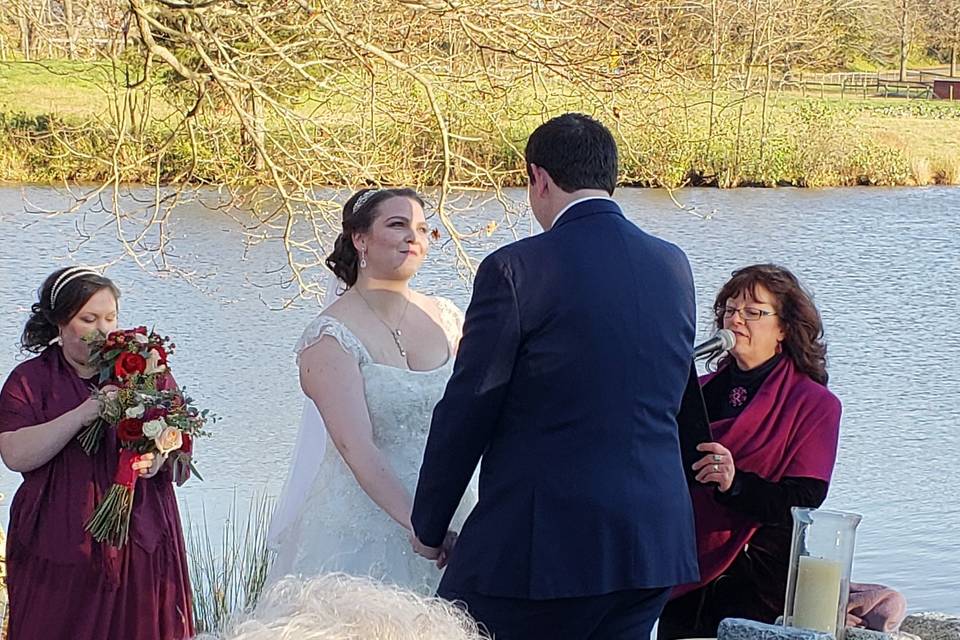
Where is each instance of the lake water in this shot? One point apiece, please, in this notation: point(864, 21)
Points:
point(883, 264)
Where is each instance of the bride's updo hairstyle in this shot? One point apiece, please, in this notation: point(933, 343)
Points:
point(359, 213)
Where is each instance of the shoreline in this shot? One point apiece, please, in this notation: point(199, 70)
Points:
point(8, 184)
point(790, 141)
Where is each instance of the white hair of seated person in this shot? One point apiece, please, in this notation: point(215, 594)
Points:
point(342, 607)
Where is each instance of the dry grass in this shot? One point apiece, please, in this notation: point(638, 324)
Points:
point(946, 170)
point(921, 171)
point(932, 145)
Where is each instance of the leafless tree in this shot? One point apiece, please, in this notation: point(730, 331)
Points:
point(277, 101)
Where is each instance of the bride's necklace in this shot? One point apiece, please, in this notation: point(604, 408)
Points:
point(394, 332)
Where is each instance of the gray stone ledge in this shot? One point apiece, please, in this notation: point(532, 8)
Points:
point(739, 629)
point(932, 626)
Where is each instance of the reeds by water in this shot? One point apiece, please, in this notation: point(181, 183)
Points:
point(228, 575)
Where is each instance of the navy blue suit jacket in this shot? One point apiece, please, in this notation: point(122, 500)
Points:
point(575, 354)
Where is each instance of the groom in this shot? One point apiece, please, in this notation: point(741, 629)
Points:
point(575, 354)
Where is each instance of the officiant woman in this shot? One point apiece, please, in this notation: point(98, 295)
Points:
point(776, 427)
point(62, 584)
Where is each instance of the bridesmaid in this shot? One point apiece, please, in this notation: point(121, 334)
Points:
point(62, 584)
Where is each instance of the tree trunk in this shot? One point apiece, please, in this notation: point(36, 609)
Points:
point(71, 27)
point(25, 35)
point(953, 61)
point(904, 40)
point(256, 138)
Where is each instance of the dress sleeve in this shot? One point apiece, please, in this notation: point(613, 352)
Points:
point(770, 502)
point(16, 404)
point(451, 321)
point(324, 325)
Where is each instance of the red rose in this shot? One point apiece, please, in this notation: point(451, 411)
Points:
point(153, 413)
point(161, 352)
point(130, 429)
point(141, 330)
point(187, 446)
point(128, 364)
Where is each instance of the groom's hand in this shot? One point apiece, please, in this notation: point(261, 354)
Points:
point(446, 549)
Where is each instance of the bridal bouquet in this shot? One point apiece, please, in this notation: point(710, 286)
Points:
point(150, 414)
point(131, 359)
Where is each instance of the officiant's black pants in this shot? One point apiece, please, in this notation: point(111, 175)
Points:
point(613, 616)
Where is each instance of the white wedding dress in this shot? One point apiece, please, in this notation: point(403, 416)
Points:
point(338, 527)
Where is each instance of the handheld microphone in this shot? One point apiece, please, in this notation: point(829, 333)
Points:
point(722, 340)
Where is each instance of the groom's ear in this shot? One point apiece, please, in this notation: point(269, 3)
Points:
point(539, 179)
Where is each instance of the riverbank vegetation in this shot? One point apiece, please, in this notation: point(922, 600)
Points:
point(58, 123)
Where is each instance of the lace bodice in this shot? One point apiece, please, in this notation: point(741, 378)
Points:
point(451, 321)
point(341, 528)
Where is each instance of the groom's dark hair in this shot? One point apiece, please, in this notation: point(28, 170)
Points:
point(577, 151)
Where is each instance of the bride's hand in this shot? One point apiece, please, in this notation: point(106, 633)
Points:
point(430, 553)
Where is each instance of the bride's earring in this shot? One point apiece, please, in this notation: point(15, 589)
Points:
point(363, 257)
point(57, 340)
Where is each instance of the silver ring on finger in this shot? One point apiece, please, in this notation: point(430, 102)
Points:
point(716, 468)
point(717, 457)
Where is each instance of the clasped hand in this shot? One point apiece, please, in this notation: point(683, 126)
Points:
point(440, 554)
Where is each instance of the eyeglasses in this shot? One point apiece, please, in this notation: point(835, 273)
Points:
point(749, 314)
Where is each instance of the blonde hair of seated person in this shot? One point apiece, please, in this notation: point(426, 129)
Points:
point(342, 607)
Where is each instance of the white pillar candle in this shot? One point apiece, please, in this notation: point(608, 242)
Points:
point(818, 594)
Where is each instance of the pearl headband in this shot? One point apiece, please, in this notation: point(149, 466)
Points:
point(65, 278)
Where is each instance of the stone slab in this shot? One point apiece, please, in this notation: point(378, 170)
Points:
point(932, 626)
point(739, 629)
point(856, 633)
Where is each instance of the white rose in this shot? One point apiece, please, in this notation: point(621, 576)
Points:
point(153, 364)
point(153, 428)
point(170, 439)
point(134, 412)
point(142, 339)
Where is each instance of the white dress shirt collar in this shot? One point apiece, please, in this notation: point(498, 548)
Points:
point(556, 218)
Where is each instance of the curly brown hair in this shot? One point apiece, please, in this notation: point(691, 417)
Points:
point(802, 327)
point(45, 320)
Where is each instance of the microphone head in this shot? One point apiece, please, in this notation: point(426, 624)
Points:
point(727, 339)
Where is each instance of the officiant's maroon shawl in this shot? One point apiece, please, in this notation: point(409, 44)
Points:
point(789, 429)
point(62, 584)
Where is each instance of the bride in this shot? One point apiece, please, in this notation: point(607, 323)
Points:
point(374, 362)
